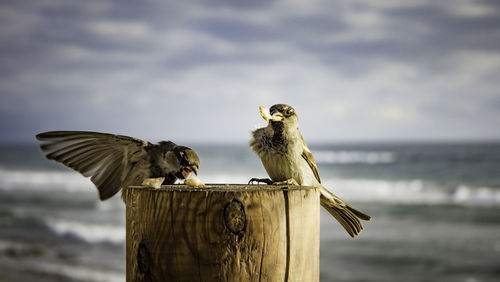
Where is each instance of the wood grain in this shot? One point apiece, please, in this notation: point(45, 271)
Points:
point(223, 233)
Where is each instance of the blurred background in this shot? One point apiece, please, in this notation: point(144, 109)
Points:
point(398, 100)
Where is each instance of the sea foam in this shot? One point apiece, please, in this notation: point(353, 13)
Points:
point(354, 157)
point(45, 180)
point(415, 191)
point(400, 191)
point(89, 232)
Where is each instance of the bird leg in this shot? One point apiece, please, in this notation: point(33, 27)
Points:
point(261, 180)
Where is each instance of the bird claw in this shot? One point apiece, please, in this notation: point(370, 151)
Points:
point(261, 180)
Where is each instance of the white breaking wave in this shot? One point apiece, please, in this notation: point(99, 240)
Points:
point(353, 157)
point(74, 182)
point(45, 180)
point(400, 191)
point(79, 272)
point(92, 233)
point(413, 191)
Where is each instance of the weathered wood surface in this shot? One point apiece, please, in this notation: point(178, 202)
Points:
point(223, 233)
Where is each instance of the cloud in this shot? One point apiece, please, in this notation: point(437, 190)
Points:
point(198, 70)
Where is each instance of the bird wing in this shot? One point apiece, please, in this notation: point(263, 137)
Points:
point(307, 155)
point(106, 158)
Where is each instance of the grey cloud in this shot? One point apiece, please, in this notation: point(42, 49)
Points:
point(244, 5)
point(239, 31)
point(366, 69)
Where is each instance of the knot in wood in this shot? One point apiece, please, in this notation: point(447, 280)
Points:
point(235, 217)
point(143, 258)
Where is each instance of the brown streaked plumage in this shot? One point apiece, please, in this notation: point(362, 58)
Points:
point(286, 158)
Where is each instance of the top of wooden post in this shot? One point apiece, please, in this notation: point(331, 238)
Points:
point(223, 232)
point(225, 188)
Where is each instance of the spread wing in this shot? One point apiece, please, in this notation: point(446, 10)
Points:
point(103, 157)
point(307, 155)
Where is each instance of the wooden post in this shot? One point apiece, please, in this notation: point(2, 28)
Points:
point(223, 233)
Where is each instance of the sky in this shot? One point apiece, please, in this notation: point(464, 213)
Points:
point(197, 71)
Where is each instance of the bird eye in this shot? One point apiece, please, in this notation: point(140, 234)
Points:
point(288, 112)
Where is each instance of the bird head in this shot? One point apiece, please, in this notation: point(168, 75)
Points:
point(280, 115)
point(188, 160)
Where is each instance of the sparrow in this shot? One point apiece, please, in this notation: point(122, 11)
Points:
point(114, 162)
point(287, 160)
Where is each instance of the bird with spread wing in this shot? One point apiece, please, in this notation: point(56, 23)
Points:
point(114, 162)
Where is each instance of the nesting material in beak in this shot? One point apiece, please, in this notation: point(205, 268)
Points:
point(194, 181)
point(264, 112)
point(153, 182)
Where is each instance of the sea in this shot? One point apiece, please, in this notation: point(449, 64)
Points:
point(435, 211)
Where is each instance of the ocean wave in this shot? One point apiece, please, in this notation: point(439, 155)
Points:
point(354, 157)
point(91, 233)
point(70, 181)
point(80, 273)
point(400, 191)
point(46, 180)
point(411, 192)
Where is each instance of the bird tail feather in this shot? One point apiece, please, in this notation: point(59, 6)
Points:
point(346, 215)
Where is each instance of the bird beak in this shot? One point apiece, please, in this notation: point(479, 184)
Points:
point(277, 116)
point(186, 172)
point(266, 115)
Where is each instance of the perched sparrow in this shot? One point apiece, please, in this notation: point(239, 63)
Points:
point(114, 162)
point(287, 159)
